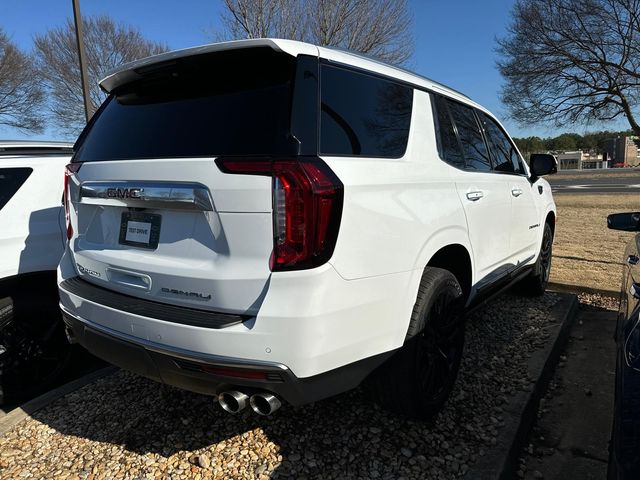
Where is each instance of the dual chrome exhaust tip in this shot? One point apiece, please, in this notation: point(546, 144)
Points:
point(263, 403)
point(233, 401)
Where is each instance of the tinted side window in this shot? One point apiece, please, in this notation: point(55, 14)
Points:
point(11, 179)
point(363, 115)
point(505, 155)
point(450, 149)
point(473, 146)
point(518, 163)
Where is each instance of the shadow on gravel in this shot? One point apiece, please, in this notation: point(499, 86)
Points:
point(346, 436)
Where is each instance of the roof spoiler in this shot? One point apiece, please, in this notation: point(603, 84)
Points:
point(133, 71)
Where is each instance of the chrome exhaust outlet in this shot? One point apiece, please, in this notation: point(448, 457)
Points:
point(233, 401)
point(264, 403)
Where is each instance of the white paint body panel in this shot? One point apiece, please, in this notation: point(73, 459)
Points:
point(397, 212)
point(311, 321)
point(223, 253)
point(32, 222)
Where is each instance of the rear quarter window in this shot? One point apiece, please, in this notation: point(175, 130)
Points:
point(363, 115)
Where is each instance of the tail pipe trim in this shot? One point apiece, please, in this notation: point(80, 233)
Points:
point(264, 403)
point(233, 401)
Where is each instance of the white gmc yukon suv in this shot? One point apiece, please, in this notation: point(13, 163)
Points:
point(268, 220)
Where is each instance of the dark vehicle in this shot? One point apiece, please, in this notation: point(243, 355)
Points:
point(624, 460)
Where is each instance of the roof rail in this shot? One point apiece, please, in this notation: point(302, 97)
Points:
point(27, 147)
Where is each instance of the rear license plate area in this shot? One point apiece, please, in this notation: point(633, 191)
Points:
point(139, 229)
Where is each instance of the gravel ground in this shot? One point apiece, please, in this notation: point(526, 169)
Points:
point(125, 426)
point(593, 301)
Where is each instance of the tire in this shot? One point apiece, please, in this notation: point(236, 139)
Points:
point(6, 317)
point(34, 351)
point(535, 284)
point(417, 380)
point(6, 311)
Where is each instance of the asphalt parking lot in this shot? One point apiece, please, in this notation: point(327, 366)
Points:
point(570, 438)
point(596, 181)
point(125, 426)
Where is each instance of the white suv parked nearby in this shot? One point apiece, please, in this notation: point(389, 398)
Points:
point(31, 213)
point(269, 220)
point(33, 348)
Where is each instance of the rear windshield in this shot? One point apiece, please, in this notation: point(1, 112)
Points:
point(225, 103)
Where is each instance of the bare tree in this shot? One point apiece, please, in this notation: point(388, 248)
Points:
point(379, 28)
point(263, 18)
point(572, 61)
point(20, 92)
point(107, 45)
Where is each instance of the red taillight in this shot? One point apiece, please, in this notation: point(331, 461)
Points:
point(307, 206)
point(69, 170)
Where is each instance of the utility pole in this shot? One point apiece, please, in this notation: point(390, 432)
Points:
point(82, 58)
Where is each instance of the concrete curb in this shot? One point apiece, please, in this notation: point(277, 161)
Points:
point(569, 288)
point(501, 460)
point(18, 414)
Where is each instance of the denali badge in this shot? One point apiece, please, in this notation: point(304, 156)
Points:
point(124, 192)
point(82, 269)
point(182, 293)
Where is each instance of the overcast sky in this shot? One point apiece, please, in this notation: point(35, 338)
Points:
point(454, 40)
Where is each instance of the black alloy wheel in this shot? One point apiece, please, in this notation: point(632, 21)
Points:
point(440, 349)
point(417, 380)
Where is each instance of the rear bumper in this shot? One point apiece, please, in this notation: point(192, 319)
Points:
point(313, 321)
point(324, 333)
point(193, 372)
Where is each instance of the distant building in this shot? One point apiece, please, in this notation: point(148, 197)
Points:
point(579, 160)
point(622, 151)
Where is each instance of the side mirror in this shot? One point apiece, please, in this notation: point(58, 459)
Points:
point(627, 222)
point(543, 164)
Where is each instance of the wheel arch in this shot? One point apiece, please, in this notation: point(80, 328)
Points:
point(456, 259)
point(551, 220)
point(450, 249)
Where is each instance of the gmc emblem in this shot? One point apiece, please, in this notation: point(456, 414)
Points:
point(124, 192)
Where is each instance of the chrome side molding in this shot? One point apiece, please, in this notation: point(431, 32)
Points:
point(165, 195)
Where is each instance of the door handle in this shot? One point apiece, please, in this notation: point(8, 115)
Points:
point(475, 196)
point(516, 192)
point(633, 260)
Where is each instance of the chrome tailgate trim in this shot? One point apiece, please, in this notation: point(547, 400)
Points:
point(141, 194)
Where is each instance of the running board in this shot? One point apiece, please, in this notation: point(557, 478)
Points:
point(487, 292)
